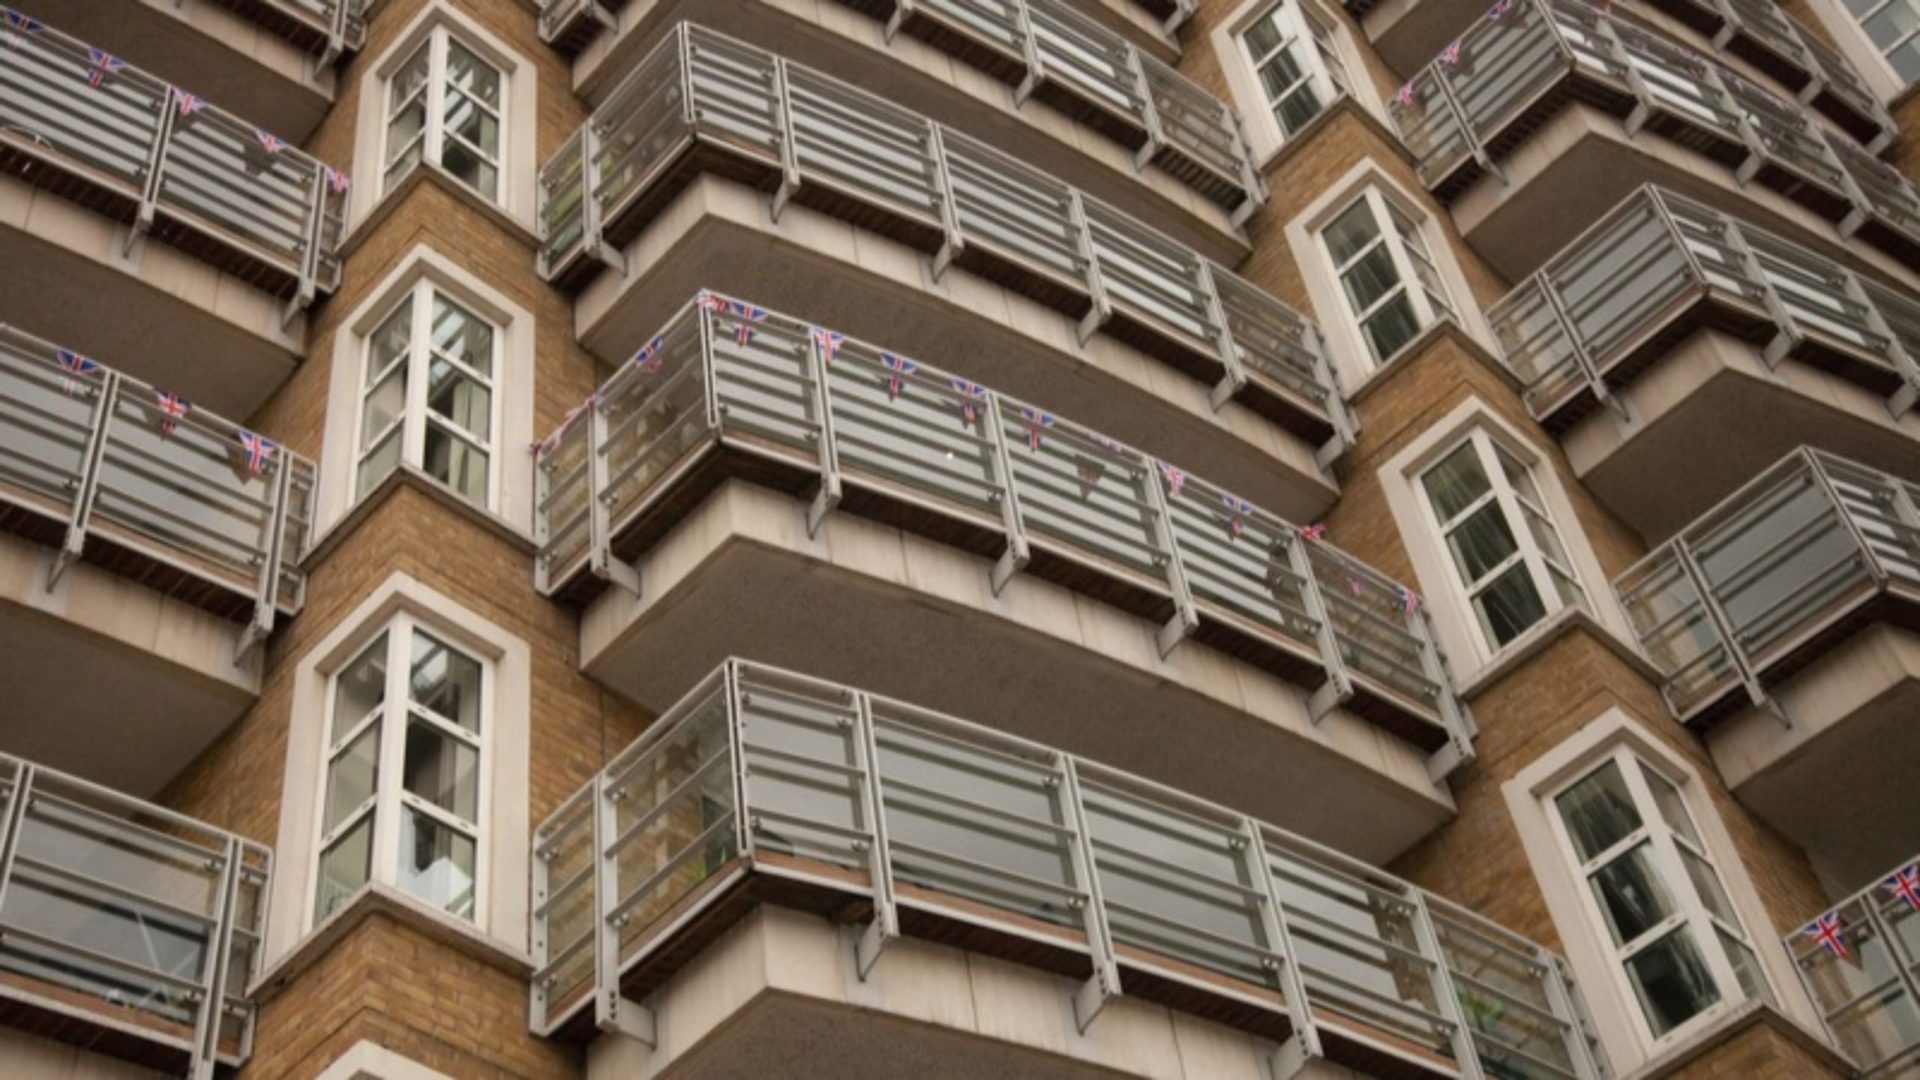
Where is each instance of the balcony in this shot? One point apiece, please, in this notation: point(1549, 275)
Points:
point(1686, 319)
point(128, 929)
point(152, 557)
point(705, 104)
point(1111, 111)
point(762, 787)
point(1520, 72)
point(1869, 998)
point(1783, 622)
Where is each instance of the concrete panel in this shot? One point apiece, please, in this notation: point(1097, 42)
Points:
point(25, 1055)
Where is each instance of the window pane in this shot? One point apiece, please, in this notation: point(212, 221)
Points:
point(472, 75)
point(1746, 968)
point(1599, 811)
point(382, 460)
point(1481, 542)
point(1391, 327)
point(1509, 606)
point(1351, 231)
point(344, 867)
point(409, 79)
point(1279, 74)
point(442, 770)
point(445, 681)
point(436, 863)
point(1545, 537)
point(351, 777)
point(459, 399)
point(384, 406)
point(1264, 36)
point(389, 342)
point(1673, 809)
point(456, 463)
point(1671, 982)
point(1707, 883)
point(461, 334)
point(469, 168)
point(1370, 278)
point(359, 689)
point(1297, 108)
point(1456, 481)
point(1631, 895)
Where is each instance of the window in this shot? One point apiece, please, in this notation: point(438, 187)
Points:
point(1893, 26)
point(1298, 65)
point(444, 106)
point(1390, 282)
point(1650, 885)
point(405, 747)
point(427, 396)
point(1505, 552)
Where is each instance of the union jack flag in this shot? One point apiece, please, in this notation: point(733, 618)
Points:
point(1090, 470)
point(1905, 884)
point(1111, 446)
point(76, 364)
point(1037, 421)
point(1501, 7)
point(17, 25)
point(338, 181)
point(1237, 511)
point(1827, 931)
point(1409, 600)
point(258, 450)
point(651, 356)
point(970, 393)
point(187, 103)
point(1315, 531)
point(748, 315)
point(173, 409)
point(547, 444)
point(102, 65)
point(1403, 97)
point(901, 368)
point(1451, 54)
point(711, 302)
point(268, 141)
point(829, 343)
point(1176, 479)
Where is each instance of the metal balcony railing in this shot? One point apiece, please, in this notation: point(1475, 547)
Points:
point(1762, 34)
point(742, 391)
point(702, 101)
point(1660, 266)
point(1860, 962)
point(106, 468)
point(326, 28)
point(1525, 59)
point(124, 926)
point(1050, 52)
point(1774, 577)
point(91, 128)
point(763, 786)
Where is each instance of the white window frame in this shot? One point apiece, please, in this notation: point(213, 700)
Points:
point(1513, 506)
point(434, 134)
point(1850, 34)
point(1584, 937)
point(1243, 77)
point(1404, 247)
point(1314, 45)
point(390, 800)
point(416, 417)
point(1690, 912)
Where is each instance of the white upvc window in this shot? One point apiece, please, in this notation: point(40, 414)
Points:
point(427, 396)
point(1655, 895)
point(1893, 29)
point(1504, 550)
point(444, 105)
point(1388, 278)
point(404, 767)
point(1297, 62)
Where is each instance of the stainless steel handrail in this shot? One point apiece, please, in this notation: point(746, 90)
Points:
point(327, 28)
point(705, 101)
point(91, 127)
point(1774, 575)
point(1860, 963)
point(1211, 565)
point(828, 787)
point(106, 464)
point(123, 916)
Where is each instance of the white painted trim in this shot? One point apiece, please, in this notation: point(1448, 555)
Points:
point(1243, 81)
point(1349, 349)
point(520, 107)
point(367, 1060)
point(1614, 1013)
point(510, 479)
point(1851, 39)
point(501, 863)
point(1460, 637)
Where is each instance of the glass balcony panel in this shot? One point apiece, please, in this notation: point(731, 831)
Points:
point(1241, 561)
point(45, 417)
point(562, 190)
point(152, 957)
point(656, 417)
point(1085, 57)
point(1676, 632)
point(1631, 268)
point(763, 378)
point(804, 781)
point(1370, 624)
point(734, 99)
point(921, 432)
point(1149, 277)
point(994, 21)
point(1815, 295)
point(1020, 213)
point(1503, 68)
point(1272, 341)
point(640, 128)
point(567, 857)
point(855, 142)
point(1087, 497)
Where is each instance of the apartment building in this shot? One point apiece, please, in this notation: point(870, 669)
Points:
point(1190, 539)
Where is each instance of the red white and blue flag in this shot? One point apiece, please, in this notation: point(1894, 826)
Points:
point(1500, 7)
point(1315, 531)
point(337, 181)
point(901, 367)
point(1451, 54)
point(73, 363)
point(829, 343)
point(173, 409)
point(575, 413)
point(747, 315)
point(186, 103)
point(710, 301)
point(1036, 421)
point(651, 356)
point(1409, 600)
point(971, 394)
point(258, 449)
point(19, 25)
point(1403, 97)
point(102, 65)
point(1905, 884)
point(268, 141)
point(1826, 930)
point(1237, 511)
point(1176, 479)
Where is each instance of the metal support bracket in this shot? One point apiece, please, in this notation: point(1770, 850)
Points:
point(1091, 997)
point(1186, 618)
point(953, 241)
point(1723, 628)
point(267, 587)
point(600, 558)
point(156, 165)
point(1346, 426)
point(1303, 1046)
point(87, 482)
point(1149, 114)
point(885, 924)
point(592, 237)
point(1455, 715)
point(1447, 997)
point(309, 286)
point(1901, 401)
point(1339, 685)
point(1645, 105)
point(613, 1011)
point(826, 444)
point(789, 147)
point(1102, 308)
point(1596, 382)
point(1014, 558)
point(213, 980)
point(1233, 377)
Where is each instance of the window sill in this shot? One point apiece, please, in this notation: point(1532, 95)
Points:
point(407, 475)
point(1449, 329)
point(424, 173)
point(378, 898)
point(1291, 146)
point(1539, 638)
point(1735, 1021)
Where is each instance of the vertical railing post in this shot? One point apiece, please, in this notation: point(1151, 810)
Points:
point(613, 1012)
point(1102, 306)
point(1750, 136)
point(885, 924)
point(1901, 401)
point(1824, 481)
point(591, 234)
point(267, 584)
point(1014, 558)
point(789, 146)
point(1645, 105)
point(1723, 628)
point(1447, 997)
point(1455, 716)
point(1251, 180)
point(1786, 335)
point(1564, 1004)
point(1589, 368)
point(309, 283)
point(543, 518)
point(1346, 426)
point(1303, 1045)
point(1233, 376)
point(156, 166)
point(1091, 996)
point(1149, 112)
point(12, 822)
point(826, 444)
point(1186, 619)
point(1339, 685)
point(601, 560)
point(86, 484)
point(539, 926)
point(953, 242)
point(213, 978)
point(735, 715)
